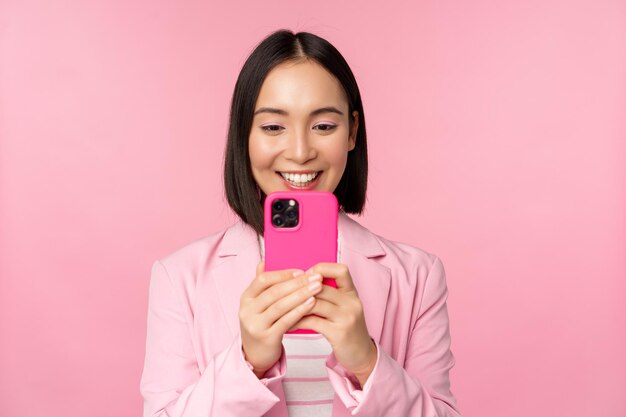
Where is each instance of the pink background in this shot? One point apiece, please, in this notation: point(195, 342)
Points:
point(497, 140)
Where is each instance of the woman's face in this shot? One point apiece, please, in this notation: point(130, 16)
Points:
point(301, 135)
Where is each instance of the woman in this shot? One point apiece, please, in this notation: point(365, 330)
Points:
point(216, 343)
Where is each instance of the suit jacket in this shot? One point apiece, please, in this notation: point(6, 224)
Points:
point(194, 364)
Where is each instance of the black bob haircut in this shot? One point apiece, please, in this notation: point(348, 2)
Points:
point(242, 193)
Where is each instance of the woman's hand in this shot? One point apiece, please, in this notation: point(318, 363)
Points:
point(342, 322)
point(270, 306)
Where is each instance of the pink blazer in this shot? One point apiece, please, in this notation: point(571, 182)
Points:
point(194, 365)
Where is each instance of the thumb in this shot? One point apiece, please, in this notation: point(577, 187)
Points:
point(260, 268)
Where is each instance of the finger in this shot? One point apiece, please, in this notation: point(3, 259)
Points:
point(282, 304)
point(315, 323)
point(339, 272)
point(260, 268)
point(267, 279)
point(283, 289)
point(326, 310)
point(331, 295)
point(287, 321)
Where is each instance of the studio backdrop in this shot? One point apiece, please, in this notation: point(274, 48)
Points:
point(497, 141)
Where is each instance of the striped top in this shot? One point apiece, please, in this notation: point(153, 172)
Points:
point(308, 391)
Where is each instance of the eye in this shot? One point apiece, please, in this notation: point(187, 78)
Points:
point(272, 129)
point(324, 127)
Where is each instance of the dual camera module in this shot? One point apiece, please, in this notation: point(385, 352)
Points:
point(285, 213)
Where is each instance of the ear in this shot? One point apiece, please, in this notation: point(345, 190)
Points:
point(354, 127)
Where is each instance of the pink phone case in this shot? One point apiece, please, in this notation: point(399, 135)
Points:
point(312, 240)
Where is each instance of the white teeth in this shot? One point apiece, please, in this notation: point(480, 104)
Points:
point(299, 179)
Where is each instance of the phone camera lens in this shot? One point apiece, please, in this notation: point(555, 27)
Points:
point(291, 213)
point(278, 205)
point(277, 220)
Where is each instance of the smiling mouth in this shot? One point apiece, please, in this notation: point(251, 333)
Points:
point(301, 179)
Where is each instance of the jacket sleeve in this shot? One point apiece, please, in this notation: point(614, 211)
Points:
point(418, 388)
point(172, 384)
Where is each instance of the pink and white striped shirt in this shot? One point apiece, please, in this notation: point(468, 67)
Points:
point(308, 391)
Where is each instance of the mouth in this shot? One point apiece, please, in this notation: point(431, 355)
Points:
point(300, 180)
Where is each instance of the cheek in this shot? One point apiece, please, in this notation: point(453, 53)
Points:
point(337, 155)
point(260, 154)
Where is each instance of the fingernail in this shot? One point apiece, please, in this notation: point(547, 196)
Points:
point(298, 273)
point(315, 286)
point(315, 277)
point(309, 301)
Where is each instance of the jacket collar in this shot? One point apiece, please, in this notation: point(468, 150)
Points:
point(236, 239)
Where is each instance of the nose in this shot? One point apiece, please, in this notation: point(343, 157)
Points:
point(300, 148)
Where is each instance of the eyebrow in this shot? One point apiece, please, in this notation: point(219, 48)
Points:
point(329, 109)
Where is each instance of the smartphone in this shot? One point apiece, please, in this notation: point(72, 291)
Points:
point(300, 230)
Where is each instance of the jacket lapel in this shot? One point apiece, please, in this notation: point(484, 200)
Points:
point(239, 254)
point(359, 251)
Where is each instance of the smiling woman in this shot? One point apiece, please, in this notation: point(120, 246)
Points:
point(218, 322)
point(301, 132)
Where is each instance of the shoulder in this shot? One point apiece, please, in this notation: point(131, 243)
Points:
point(415, 276)
point(392, 252)
point(407, 253)
point(208, 251)
point(416, 263)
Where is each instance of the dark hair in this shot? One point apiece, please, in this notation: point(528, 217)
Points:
point(242, 193)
